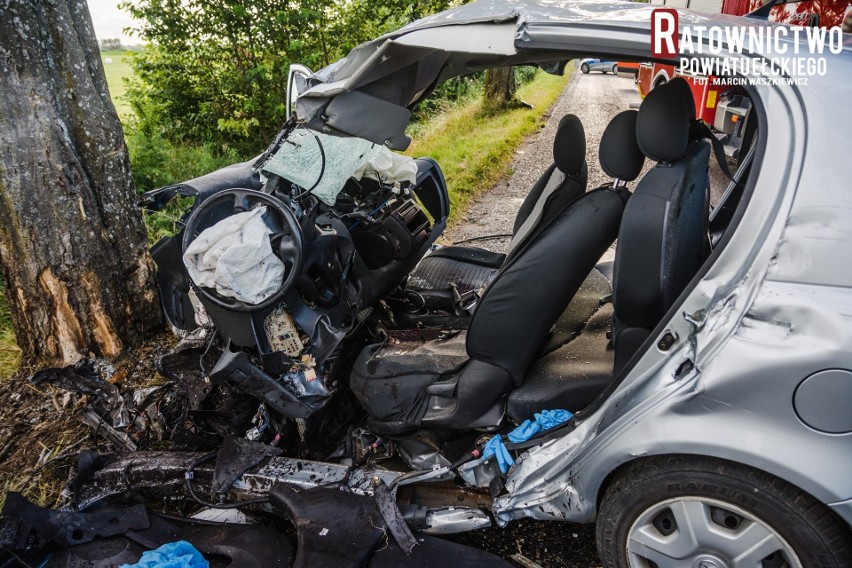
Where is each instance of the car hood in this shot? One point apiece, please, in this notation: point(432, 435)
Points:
point(370, 92)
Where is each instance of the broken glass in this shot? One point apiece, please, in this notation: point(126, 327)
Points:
point(320, 163)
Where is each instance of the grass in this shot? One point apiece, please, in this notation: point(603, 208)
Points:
point(117, 67)
point(10, 355)
point(475, 148)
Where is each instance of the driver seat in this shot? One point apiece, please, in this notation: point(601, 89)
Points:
point(469, 269)
point(460, 379)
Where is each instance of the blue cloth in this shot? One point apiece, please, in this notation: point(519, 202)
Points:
point(544, 420)
point(178, 554)
point(495, 447)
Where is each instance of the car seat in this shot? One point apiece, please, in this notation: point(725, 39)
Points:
point(469, 269)
point(663, 239)
point(460, 379)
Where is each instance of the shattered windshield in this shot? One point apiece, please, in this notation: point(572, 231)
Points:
point(320, 163)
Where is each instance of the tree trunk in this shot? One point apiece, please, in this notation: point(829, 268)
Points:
point(500, 88)
point(72, 242)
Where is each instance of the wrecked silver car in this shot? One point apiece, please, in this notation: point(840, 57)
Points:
point(690, 396)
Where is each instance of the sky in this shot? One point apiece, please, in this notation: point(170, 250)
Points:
point(109, 21)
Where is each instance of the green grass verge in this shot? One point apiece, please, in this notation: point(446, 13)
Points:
point(116, 68)
point(10, 355)
point(474, 148)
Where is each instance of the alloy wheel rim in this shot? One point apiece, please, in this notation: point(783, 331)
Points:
point(699, 532)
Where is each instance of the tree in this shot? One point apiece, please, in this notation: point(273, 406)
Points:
point(215, 73)
point(500, 88)
point(111, 44)
point(72, 242)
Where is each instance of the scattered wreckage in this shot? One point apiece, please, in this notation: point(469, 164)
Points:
point(340, 370)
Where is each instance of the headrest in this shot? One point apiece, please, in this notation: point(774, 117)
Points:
point(619, 152)
point(665, 120)
point(569, 145)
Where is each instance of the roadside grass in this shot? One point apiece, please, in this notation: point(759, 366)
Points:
point(10, 355)
point(475, 148)
point(116, 70)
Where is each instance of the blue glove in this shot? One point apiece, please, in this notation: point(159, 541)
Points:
point(495, 447)
point(525, 431)
point(178, 554)
point(552, 418)
point(544, 420)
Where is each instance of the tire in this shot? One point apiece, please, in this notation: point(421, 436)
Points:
point(727, 507)
point(584, 68)
point(615, 69)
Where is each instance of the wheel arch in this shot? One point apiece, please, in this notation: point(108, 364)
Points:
point(637, 461)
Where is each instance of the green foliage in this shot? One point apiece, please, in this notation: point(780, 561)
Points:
point(156, 162)
point(214, 73)
point(456, 91)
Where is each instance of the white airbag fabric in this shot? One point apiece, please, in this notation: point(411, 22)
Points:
point(235, 258)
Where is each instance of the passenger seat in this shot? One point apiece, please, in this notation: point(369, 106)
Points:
point(663, 239)
point(575, 364)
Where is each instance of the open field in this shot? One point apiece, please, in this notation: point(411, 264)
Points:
point(116, 68)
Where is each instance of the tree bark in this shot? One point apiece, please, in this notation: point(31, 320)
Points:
point(500, 88)
point(72, 242)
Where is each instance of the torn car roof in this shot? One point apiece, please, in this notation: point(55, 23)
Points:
point(386, 77)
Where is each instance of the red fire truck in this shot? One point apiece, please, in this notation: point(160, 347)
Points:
point(726, 108)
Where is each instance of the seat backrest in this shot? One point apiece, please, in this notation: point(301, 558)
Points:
point(662, 241)
point(560, 184)
point(536, 284)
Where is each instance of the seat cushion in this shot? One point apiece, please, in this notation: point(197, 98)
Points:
point(468, 268)
point(390, 378)
point(570, 377)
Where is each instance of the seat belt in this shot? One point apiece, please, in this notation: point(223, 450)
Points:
point(703, 131)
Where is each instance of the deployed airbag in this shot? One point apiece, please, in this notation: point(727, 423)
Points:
point(234, 257)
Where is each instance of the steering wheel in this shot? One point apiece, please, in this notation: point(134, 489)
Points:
point(286, 240)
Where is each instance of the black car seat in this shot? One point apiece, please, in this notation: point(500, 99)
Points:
point(471, 268)
point(576, 362)
point(663, 240)
point(460, 379)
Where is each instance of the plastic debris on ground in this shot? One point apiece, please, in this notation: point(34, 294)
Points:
point(544, 420)
point(178, 554)
point(129, 418)
point(235, 258)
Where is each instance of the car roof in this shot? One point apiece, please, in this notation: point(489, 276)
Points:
point(369, 92)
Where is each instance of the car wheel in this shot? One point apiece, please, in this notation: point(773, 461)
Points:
point(584, 68)
point(687, 511)
point(615, 69)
